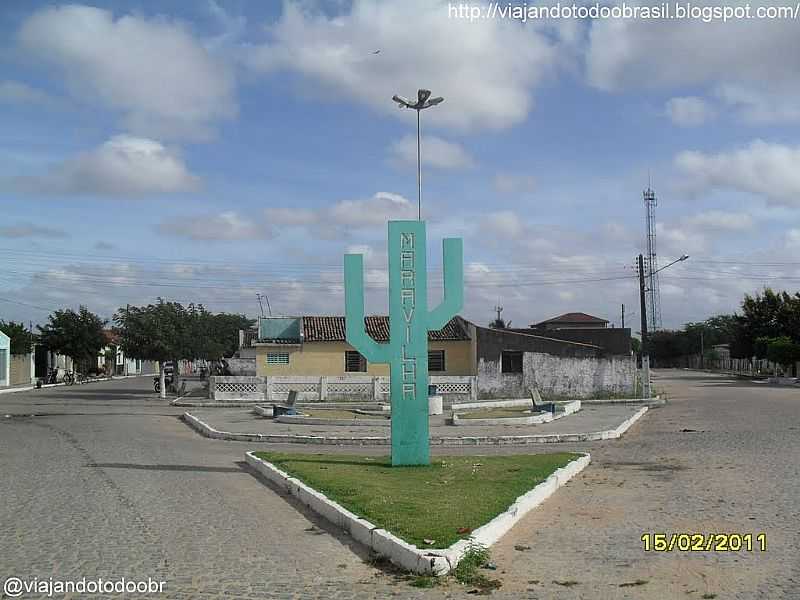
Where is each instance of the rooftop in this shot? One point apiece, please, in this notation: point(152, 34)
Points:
point(573, 317)
point(332, 329)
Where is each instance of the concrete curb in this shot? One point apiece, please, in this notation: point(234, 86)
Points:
point(52, 385)
point(301, 420)
point(545, 417)
point(264, 411)
point(407, 556)
point(185, 404)
point(503, 440)
point(507, 403)
point(655, 400)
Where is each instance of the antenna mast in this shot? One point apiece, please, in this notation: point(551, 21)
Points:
point(653, 293)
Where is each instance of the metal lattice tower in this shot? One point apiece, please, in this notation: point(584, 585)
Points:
point(651, 266)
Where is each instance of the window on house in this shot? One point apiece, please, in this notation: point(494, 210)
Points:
point(436, 360)
point(354, 362)
point(277, 358)
point(511, 361)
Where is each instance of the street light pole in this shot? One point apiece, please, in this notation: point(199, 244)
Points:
point(644, 350)
point(424, 101)
point(646, 388)
point(419, 170)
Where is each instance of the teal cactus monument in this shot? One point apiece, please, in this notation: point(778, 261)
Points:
point(409, 323)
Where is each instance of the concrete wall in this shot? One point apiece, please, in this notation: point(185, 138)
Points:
point(21, 369)
point(559, 376)
point(5, 359)
point(492, 342)
point(616, 341)
point(242, 366)
point(327, 359)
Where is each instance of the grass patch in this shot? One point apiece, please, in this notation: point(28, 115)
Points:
point(497, 413)
point(442, 502)
point(467, 571)
point(424, 581)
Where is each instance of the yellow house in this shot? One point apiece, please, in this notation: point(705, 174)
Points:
point(316, 346)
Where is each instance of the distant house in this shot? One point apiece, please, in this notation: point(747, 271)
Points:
point(573, 320)
point(316, 346)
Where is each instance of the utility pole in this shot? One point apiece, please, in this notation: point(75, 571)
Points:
point(623, 316)
point(645, 356)
point(702, 351)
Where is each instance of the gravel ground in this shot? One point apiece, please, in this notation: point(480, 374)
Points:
point(107, 482)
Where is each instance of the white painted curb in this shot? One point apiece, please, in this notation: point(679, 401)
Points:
point(407, 556)
point(568, 408)
point(499, 440)
point(301, 420)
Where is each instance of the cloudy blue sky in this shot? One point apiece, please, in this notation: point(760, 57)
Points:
point(207, 151)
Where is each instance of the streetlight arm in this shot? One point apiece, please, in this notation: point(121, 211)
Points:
point(681, 259)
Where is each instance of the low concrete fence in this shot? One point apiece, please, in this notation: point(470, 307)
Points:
point(236, 389)
point(349, 388)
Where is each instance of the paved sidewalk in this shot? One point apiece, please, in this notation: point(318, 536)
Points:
point(588, 420)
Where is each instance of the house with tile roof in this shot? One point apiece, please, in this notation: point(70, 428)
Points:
point(316, 346)
point(572, 320)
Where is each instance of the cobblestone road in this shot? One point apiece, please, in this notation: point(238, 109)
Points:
point(103, 480)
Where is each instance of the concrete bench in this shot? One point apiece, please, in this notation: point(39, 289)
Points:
point(288, 408)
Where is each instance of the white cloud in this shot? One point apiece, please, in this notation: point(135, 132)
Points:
point(122, 166)
point(689, 111)
point(504, 224)
point(792, 239)
point(154, 72)
point(762, 168)
point(721, 220)
point(436, 153)
point(750, 64)
point(335, 221)
point(470, 64)
point(511, 183)
point(225, 226)
point(760, 105)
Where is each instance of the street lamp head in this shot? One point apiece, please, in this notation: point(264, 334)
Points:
point(684, 257)
point(403, 102)
point(422, 96)
point(433, 102)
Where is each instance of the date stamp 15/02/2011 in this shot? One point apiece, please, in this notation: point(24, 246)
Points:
point(704, 542)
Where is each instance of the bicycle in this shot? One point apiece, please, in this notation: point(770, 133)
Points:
point(71, 378)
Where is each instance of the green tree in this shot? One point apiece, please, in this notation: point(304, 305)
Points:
point(168, 331)
point(21, 338)
point(154, 332)
point(783, 351)
point(78, 335)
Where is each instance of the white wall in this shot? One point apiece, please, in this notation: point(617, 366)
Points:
point(558, 376)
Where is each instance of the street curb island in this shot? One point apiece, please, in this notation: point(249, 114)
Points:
point(498, 440)
point(407, 556)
